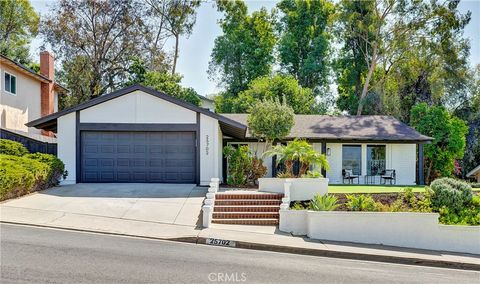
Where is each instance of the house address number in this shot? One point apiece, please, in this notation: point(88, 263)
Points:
point(220, 242)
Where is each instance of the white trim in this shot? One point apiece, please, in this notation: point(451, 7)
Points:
point(474, 171)
point(5, 83)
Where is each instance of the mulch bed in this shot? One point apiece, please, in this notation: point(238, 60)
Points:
point(384, 198)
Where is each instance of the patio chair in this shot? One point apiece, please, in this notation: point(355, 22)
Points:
point(349, 176)
point(388, 175)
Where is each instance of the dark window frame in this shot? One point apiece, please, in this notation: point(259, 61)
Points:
point(11, 76)
point(354, 170)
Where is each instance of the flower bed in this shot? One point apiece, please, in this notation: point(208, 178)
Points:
point(404, 219)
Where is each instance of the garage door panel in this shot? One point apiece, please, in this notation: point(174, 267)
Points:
point(138, 157)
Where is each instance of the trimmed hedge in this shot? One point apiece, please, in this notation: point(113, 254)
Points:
point(32, 172)
point(9, 147)
point(56, 168)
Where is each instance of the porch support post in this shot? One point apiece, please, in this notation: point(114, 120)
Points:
point(421, 178)
point(324, 151)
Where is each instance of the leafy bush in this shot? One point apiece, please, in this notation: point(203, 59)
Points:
point(323, 203)
point(56, 167)
point(361, 203)
point(301, 151)
point(21, 175)
point(15, 180)
point(297, 206)
point(450, 193)
point(468, 215)
point(9, 147)
point(475, 184)
point(285, 175)
point(312, 174)
point(243, 167)
point(409, 201)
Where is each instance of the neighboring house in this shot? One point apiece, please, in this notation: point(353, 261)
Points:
point(207, 103)
point(138, 134)
point(24, 96)
point(475, 173)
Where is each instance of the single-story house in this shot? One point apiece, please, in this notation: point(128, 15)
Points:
point(475, 173)
point(138, 134)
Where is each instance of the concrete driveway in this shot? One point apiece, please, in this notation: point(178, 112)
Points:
point(178, 204)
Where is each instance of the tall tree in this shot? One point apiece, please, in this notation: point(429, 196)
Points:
point(102, 35)
point(448, 143)
point(161, 81)
point(18, 25)
point(351, 65)
point(436, 70)
point(305, 41)
point(172, 18)
point(469, 111)
point(397, 31)
point(286, 87)
point(245, 49)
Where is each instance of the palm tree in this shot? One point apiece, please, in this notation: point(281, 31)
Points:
point(298, 150)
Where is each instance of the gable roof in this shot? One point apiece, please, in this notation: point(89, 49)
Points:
point(348, 128)
point(474, 171)
point(32, 74)
point(228, 126)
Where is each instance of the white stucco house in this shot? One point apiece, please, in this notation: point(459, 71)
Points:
point(138, 134)
point(475, 173)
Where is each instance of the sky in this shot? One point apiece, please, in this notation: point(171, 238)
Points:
point(196, 49)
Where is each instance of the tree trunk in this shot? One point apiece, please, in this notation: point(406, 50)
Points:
point(177, 39)
point(373, 64)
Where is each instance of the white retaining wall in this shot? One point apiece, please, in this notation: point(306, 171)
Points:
point(300, 188)
point(402, 229)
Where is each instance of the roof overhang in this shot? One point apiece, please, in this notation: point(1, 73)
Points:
point(474, 171)
point(23, 69)
point(228, 126)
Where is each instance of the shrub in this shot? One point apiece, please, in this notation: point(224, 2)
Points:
point(56, 167)
point(475, 184)
point(243, 167)
point(301, 151)
point(297, 206)
point(450, 193)
point(361, 203)
point(21, 175)
point(9, 147)
point(323, 203)
point(15, 180)
point(407, 200)
point(466, 216)
point(312, 174)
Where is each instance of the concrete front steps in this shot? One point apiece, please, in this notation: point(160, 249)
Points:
point(248, 208)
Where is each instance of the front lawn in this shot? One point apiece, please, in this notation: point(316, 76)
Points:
point(352, 188)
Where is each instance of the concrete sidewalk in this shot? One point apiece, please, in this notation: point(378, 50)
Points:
point(249, 237)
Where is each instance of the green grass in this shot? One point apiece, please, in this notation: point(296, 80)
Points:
point(352, 188)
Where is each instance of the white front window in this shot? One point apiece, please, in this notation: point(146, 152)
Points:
point(10, 84)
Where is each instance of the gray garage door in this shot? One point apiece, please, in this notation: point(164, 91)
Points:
point(167, 157)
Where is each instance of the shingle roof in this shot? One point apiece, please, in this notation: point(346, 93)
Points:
point(228, 126)
point(365, 127)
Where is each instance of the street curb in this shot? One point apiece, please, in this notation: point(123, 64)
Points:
point(291, 250)
point(354, 256)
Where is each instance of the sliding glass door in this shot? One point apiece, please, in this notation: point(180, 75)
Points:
point(376, 155)
point(352, 158)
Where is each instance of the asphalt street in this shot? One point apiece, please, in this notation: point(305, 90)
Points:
point(38, 255)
